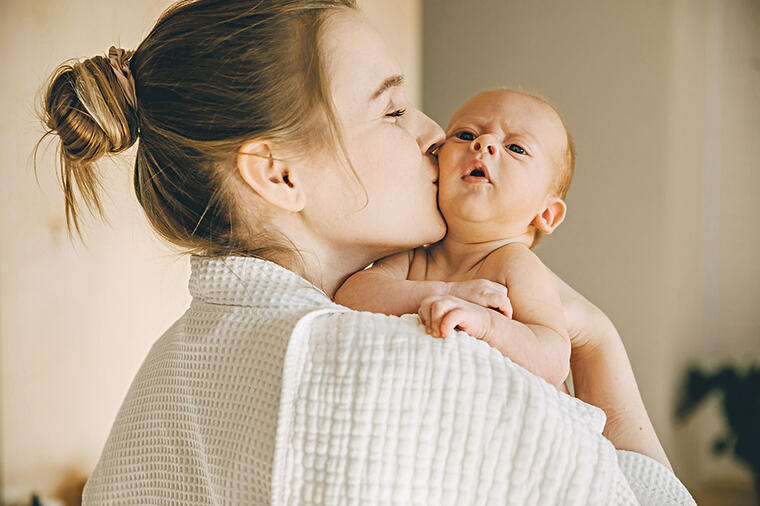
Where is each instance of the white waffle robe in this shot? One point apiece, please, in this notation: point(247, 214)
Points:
point(265, 392)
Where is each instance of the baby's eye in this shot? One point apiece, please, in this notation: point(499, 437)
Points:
point(516, 149)
point(465, 136)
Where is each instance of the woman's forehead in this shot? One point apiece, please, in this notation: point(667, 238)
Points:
point(356, 59)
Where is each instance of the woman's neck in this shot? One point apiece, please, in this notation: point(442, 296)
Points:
point(331, 272)
point(327, 268)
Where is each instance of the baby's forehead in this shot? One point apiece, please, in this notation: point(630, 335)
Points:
point(510, 111)
point(502, 104)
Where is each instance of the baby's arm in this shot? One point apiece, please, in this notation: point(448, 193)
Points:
point(538, 312)
point(384, 288)
point(535, 338)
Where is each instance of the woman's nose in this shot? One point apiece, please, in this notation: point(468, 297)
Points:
point(484, 144)
point(430, 135)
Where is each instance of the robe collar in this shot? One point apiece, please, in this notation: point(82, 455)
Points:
point(251, 282)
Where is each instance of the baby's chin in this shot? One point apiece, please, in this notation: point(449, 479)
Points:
point(467, 207)
point(477, 226)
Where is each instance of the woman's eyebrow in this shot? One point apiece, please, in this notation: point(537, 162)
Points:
point(389, 83)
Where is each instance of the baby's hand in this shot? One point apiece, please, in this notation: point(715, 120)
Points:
point(482, 292)
point(442, 314)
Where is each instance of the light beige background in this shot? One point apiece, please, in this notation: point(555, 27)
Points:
point(662, 97)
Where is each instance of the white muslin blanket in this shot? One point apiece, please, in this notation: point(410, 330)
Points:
point(265, 392)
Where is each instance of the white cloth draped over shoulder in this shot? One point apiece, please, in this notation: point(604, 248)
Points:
point(265, 392)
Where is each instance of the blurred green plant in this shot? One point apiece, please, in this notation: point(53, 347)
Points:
point(740, 393)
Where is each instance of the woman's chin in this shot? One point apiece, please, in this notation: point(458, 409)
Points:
point(440, 232)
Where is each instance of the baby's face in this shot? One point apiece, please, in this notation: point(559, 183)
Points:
point(501, 157)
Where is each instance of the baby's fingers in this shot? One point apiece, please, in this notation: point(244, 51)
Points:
point(451, 320)
point(502, 304)
point(432, 310)
point(424, 313)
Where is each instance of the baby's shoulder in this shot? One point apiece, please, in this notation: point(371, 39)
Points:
point(510, 254)
point(509, 261)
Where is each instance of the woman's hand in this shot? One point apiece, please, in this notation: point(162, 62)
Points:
point(587, 326)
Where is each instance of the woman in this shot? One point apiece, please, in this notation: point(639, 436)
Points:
point(276, 145)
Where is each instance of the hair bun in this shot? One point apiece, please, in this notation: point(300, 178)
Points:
point(87, 108)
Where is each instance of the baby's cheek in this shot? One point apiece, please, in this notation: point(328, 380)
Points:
point(446, 161)
point(446, 200)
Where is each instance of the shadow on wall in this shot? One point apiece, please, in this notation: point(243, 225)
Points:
point(67, 493)
point(739, 392)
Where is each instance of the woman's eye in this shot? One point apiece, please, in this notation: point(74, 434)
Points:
point(396, 114)
point(465, 136)
point(516, 149)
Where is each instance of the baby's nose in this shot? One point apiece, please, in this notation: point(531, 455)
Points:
point(481, 144)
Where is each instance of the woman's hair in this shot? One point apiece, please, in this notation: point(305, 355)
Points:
point(209, 76)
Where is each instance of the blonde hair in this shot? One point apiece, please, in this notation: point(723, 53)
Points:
point(209, 76)
point(564, 173)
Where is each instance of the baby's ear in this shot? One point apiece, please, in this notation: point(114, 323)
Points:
point(551, 216)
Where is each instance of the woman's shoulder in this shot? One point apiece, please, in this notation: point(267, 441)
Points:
point(340, 326)
point(370, 343)
point(346, 320)
point(337, 326)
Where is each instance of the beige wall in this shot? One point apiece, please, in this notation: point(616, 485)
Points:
point(662, 100)
point(400, 22)
point(76, 322)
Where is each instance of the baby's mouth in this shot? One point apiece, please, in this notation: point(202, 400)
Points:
point(476, 172)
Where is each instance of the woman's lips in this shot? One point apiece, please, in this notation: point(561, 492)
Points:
point(476, 172)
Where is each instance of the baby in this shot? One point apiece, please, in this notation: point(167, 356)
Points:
point(504, 171)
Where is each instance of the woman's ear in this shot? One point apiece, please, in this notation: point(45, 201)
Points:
point(269, 176)
point(551, 216)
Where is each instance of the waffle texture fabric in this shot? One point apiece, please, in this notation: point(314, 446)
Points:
point(266, 392)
